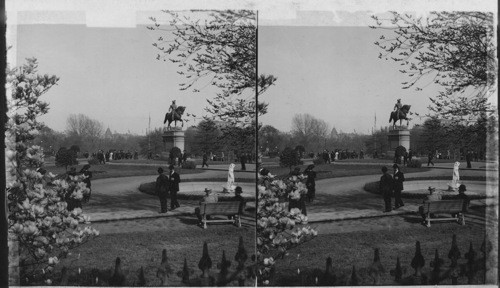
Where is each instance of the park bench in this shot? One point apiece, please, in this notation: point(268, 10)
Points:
point(230, 208)
point(453, 207)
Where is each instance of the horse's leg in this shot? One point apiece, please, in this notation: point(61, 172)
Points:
point(182, 123)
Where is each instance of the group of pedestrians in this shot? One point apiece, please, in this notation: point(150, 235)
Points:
point(165, 185)
point(390, 185)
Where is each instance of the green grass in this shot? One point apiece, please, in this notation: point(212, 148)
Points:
point(111, 171)
point(325, 171)
point(140, 244)
point(357, 248)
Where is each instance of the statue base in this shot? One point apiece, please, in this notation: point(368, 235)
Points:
point(173, 138)
point(226, 189)
point(399, 136)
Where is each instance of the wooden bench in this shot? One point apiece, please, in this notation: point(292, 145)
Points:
point(220, 208)
point(454, 207)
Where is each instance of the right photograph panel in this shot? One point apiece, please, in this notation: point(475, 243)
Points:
point(379, 149)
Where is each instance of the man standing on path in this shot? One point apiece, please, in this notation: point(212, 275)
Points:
point(399, 178)
point(162, 189)
point(410, 155)
point(429, 159)
point(174, 180)
point(205, 158)
point(385, 187)
point(468, 158)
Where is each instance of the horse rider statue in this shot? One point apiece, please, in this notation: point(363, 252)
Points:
point(400, 113)
point(174, 114)
point(172, 109)
point(397, 108)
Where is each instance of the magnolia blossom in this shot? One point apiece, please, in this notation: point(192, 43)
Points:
point(38, 213)
point(277, 228)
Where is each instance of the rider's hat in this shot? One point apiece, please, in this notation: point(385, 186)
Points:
point(399, 99)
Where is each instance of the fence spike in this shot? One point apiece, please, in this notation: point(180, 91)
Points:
point(454, 253)
point(436, 271)
point(418, 260)
point(376, 269)
point(205, 262)
point(224, 270)
point(354, 277)
point(471, 267)
point(64, 277)
point(329, 277)
point(241, 256)
point(397, 272)
point(142, 279)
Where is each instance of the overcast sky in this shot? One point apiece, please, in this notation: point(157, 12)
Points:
point(325, 62)
point(334, 74)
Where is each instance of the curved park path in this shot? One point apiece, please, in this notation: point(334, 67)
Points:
point(119, 198)
point(340, 198)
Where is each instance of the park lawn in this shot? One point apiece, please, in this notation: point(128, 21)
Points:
point(113, 170)
point(357, 248)
point(140, 244)
point(324, 171)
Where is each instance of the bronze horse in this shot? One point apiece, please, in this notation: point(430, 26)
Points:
point(177, 117)
point(402, 115)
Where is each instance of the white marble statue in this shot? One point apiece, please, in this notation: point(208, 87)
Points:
point(454, 184)
point(230, 179)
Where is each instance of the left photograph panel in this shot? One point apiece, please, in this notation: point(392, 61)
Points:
point(130, 146)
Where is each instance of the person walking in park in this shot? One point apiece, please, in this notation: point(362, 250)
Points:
point(310, 183)
point(205, 159)
point(468, 158)
point(161, 189)
point(410, 156)
point(385, 188)
point(174, 180)
point(399, 178)
point(429, 159)
point(88, 175)
point(243, 161)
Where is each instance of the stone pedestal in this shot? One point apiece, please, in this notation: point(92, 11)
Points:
point(173, 138)
point(399, 136)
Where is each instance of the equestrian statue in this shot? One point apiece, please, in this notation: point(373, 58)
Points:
point(174, 114)
point(400, 112)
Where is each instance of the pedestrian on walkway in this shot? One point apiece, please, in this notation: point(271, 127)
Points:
point(174, 180)
point(237, 197)
point(399, 178)
point(205, 159)
point(468, 158)
point(385, 188)
point(162, 185)
point(310, 183)
point(88, 175)
point(429, 159)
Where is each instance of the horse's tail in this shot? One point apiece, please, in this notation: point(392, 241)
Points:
point(390, 117)
point(166, 118)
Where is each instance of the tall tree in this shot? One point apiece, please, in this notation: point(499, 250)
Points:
point(207, 137)
point(271, 139)
point(455, 50)
point(309, 131)
point(220, 47)
point(84, 131)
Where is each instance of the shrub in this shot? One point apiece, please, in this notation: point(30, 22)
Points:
point(318, 161)
point(94, 161)
point(175, 152)
point(289, 158)
point(415, 163)
point(189, 165)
